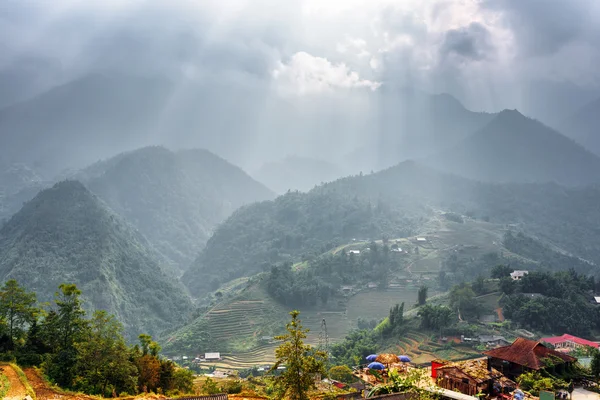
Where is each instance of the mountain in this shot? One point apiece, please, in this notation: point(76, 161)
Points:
point(395, 202)
point(292, 227)
point(66, 234)
point(81, 121)
point(411, 124)
point(297, 173)
point(583, 126)
point(175, 199)
point(514, 148)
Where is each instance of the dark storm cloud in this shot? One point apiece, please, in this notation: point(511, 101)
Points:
point(542, 27)
point(471, 42)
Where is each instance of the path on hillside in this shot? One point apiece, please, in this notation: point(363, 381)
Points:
point(16, 391)
point(44, 392)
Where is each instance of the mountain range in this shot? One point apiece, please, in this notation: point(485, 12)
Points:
point(514, 148)
point(583, 126)
point(175, 199)
point(390, 203)
point(67, 234)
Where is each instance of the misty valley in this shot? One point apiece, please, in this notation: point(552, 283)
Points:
point(321, 200)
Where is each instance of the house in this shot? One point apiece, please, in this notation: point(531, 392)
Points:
point(469, 377)
point(212, 356)
point(518, 274)
point(525, 355)
point(266, 338)
point(354, 252)
point(566, 343)
point(421, 239)
point(493, 340)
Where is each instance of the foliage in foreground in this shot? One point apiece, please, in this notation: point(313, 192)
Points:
point(83, 354)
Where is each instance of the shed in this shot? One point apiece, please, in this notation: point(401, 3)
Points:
point(212, 356)
point(468, 377)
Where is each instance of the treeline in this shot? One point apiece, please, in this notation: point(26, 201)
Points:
point(557, 302)
point(80, 353)
point(293, 227)
point(322, 277)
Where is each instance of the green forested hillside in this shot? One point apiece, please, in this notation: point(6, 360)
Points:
point(392, 202)
point(295, 226)
point(174, 198)
point(66, 234)
point(514, 148)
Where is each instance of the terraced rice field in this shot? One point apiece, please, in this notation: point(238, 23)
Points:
point(376, 304)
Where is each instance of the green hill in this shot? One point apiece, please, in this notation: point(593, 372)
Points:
point(394, 203)
point(292, 227)
point(66, 234)
point(174, 198)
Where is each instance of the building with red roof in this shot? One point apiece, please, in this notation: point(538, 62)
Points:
point(526, 355)
point(566, 343)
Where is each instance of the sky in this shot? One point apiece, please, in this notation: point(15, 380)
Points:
point(538, 56)
point(482, 51)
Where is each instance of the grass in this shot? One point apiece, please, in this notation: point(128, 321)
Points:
point(22, 378)
point(4, 385)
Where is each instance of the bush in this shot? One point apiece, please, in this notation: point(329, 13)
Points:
point(341, 373)
point(232, 387)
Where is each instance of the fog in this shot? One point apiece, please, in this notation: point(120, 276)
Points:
point(351, 82)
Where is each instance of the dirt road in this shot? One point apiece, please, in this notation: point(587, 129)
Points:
point(16, 391)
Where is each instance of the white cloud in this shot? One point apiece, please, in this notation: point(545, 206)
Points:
point(307, 74)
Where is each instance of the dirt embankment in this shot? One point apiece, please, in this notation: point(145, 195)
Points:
point(44, 392)
point(16, 391)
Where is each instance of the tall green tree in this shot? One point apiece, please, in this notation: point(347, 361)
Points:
point(422, 295)
point(17, 308)
point(462, 300)
point(302, 362)
point(501, 271)
point(66, 327)
point(103, 363)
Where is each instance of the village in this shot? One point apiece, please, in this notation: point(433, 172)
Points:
point(503, 371)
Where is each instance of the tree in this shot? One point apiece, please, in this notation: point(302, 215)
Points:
point(210, 387)
point(595, 365)
point(16, 308)
point(435, 317)
point(103, 363)
point(71, 322)
point(302, 362)
point(64, 327)
point(396, 317)
point(422, 295)
point(479, 285)
point(341, 373)
point(507, 285)
point(183, 380)
point(462, 300)
point(501, 271)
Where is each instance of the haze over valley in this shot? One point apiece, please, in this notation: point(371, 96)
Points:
point(200, 169)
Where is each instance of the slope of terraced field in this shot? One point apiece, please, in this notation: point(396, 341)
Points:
point(420, 349)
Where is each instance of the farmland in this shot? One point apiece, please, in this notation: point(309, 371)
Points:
point(240, 325)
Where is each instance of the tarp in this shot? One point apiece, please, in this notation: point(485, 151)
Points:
point(376, 365)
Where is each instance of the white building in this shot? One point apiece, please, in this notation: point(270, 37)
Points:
point(354, 252)
point(517, 275)
point(212, 356)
